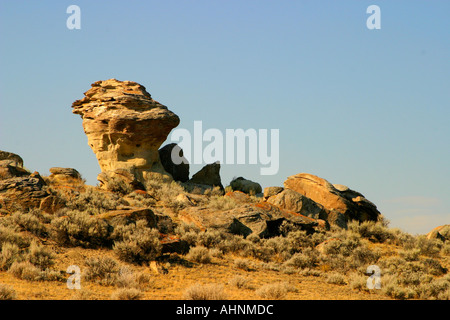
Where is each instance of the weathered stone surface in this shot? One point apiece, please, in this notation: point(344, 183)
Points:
point(125, 126)
point(22, 192)
point(8, 171)
point(9, 158)
point(128, 215)
point(69, 172)
point(238, 196)
point(441, 232)
point(119, 179)
point(179, 172)
point(294, 201)
point(209, 175)
point(353, 205)
point(271, 191)
point(262, 219)
point(245, 185)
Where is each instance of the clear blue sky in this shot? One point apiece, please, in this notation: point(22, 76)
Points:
point(366, 108)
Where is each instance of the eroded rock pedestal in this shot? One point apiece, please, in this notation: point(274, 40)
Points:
point(125, 126)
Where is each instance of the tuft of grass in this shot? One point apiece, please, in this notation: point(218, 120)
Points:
point(199, 254)
point(273, 291)
point(7, 292)
point(205, 292)
point(127, 294)
point(240, 282)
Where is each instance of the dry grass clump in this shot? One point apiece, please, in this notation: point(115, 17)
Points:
point(127, 294)
point(199, 254)
point(91, 199)
point(7, 292)
point(221, 203)
point(273, 291)
point(205, 292)
point(240, 282)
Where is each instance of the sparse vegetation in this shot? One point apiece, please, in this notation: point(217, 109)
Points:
point(205, 292)
point(32, 243)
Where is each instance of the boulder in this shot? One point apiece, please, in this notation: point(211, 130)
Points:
point(179, 172)
point(209, 176)
point(67, 172)
point(23, 192)
point(294, 201)
point(271, 191)
point(262, 219)
point(127, 215)
point(11, 166)
point(124, 126)
point(246, 186)
point(441, 232)
point(238, 196)
point(9, 158)
point(353, 205)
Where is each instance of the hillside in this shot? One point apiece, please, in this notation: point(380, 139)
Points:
point(151, 230)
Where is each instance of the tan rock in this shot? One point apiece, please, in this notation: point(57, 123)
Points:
point(291, 200)
point(338, 199)
point(441, 232)
point(125, 126)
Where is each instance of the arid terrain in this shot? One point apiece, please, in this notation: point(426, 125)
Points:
point(150, 230)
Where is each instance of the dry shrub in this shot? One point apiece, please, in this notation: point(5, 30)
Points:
point(136, 243)
point(199, 254)
point(79, 228)
point(102, 270)
point(273, 291)
point(240, 282)
point(205, 292)
point(7, 292)
point(127, 294)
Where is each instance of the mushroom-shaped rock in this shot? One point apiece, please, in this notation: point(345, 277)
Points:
point(125, 126)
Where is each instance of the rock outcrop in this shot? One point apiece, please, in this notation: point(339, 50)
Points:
point(9, 158)
point(294, 201)
point(209, 176)
point(178, 171)
point(246, 186)
point(336, 199)
point(441, 232)
point(125, 127)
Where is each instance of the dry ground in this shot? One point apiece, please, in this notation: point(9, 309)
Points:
point(171, 286)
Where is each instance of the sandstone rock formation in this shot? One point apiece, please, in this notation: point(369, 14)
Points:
point(9, 158)
point(441, 232)
point(179, 172)
point(125, 126)
point(294, 201)
point(336, 199)
point(271, 191)
point(245, 185)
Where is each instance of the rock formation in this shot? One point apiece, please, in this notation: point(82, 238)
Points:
point(209, 175)
point(338, 200)
point(245, 185)
point(125, 126)
point(179, 172)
